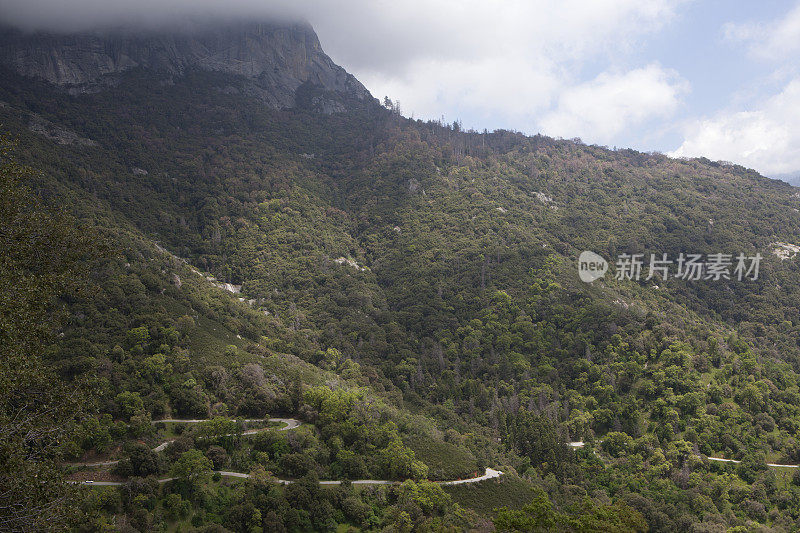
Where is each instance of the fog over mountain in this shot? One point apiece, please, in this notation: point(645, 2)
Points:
point(82, 15)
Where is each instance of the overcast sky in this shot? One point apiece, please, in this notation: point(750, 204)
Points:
point(719, 78)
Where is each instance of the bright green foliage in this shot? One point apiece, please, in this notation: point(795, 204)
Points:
point(217, 428)
point(192, 467)
point(539, 516)
point(536, 516)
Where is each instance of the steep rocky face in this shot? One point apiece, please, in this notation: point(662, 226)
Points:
point(277, 58)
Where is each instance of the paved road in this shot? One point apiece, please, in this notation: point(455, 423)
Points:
point(490, 474)
point(198, 420)
point(776, 465)
point(291, 423)
point(580, 444)
point(108, 463)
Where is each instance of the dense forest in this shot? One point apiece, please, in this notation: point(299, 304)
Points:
point(408, 292)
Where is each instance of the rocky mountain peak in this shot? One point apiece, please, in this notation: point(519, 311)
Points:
point(275, 57)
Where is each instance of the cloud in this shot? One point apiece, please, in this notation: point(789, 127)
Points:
point(517, 64)
point(491, 64)
point(760, 129)
point(494, 91)
point(604, 107)
point(765, 137)
point(376, 33)
point(777, 40)
point(379, 34)
point(83, 15)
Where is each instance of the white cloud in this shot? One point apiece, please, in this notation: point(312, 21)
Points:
point(774, 41)
point(765, 138)
point(760, 129)
point(379, 35)
point(502, 90)
point(604, 107)
point(494, 64)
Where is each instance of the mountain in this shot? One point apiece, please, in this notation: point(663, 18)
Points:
point(275, 58)
point(407, 290)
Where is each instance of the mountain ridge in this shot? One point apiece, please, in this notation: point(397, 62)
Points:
point(277, 58)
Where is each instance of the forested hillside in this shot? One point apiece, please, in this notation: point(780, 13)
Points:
point(407, 290)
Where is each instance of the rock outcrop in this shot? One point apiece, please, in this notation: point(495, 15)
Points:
point(277, 58)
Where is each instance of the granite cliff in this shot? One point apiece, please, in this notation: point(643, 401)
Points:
point(275, 58)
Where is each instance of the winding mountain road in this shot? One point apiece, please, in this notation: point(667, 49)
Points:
point(776, 465)
point(580, 444)
point(489, 474)
point(291, 423)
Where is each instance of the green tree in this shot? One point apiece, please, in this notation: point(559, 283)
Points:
point(41, 260)
point(536, 516)
point(535, 437)
point(192, 467)
point(130, 404)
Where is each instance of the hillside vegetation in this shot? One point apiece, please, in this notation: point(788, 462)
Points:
point(410, 291)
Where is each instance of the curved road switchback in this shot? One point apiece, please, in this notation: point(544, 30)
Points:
point(489, 474)
point(290, 423)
